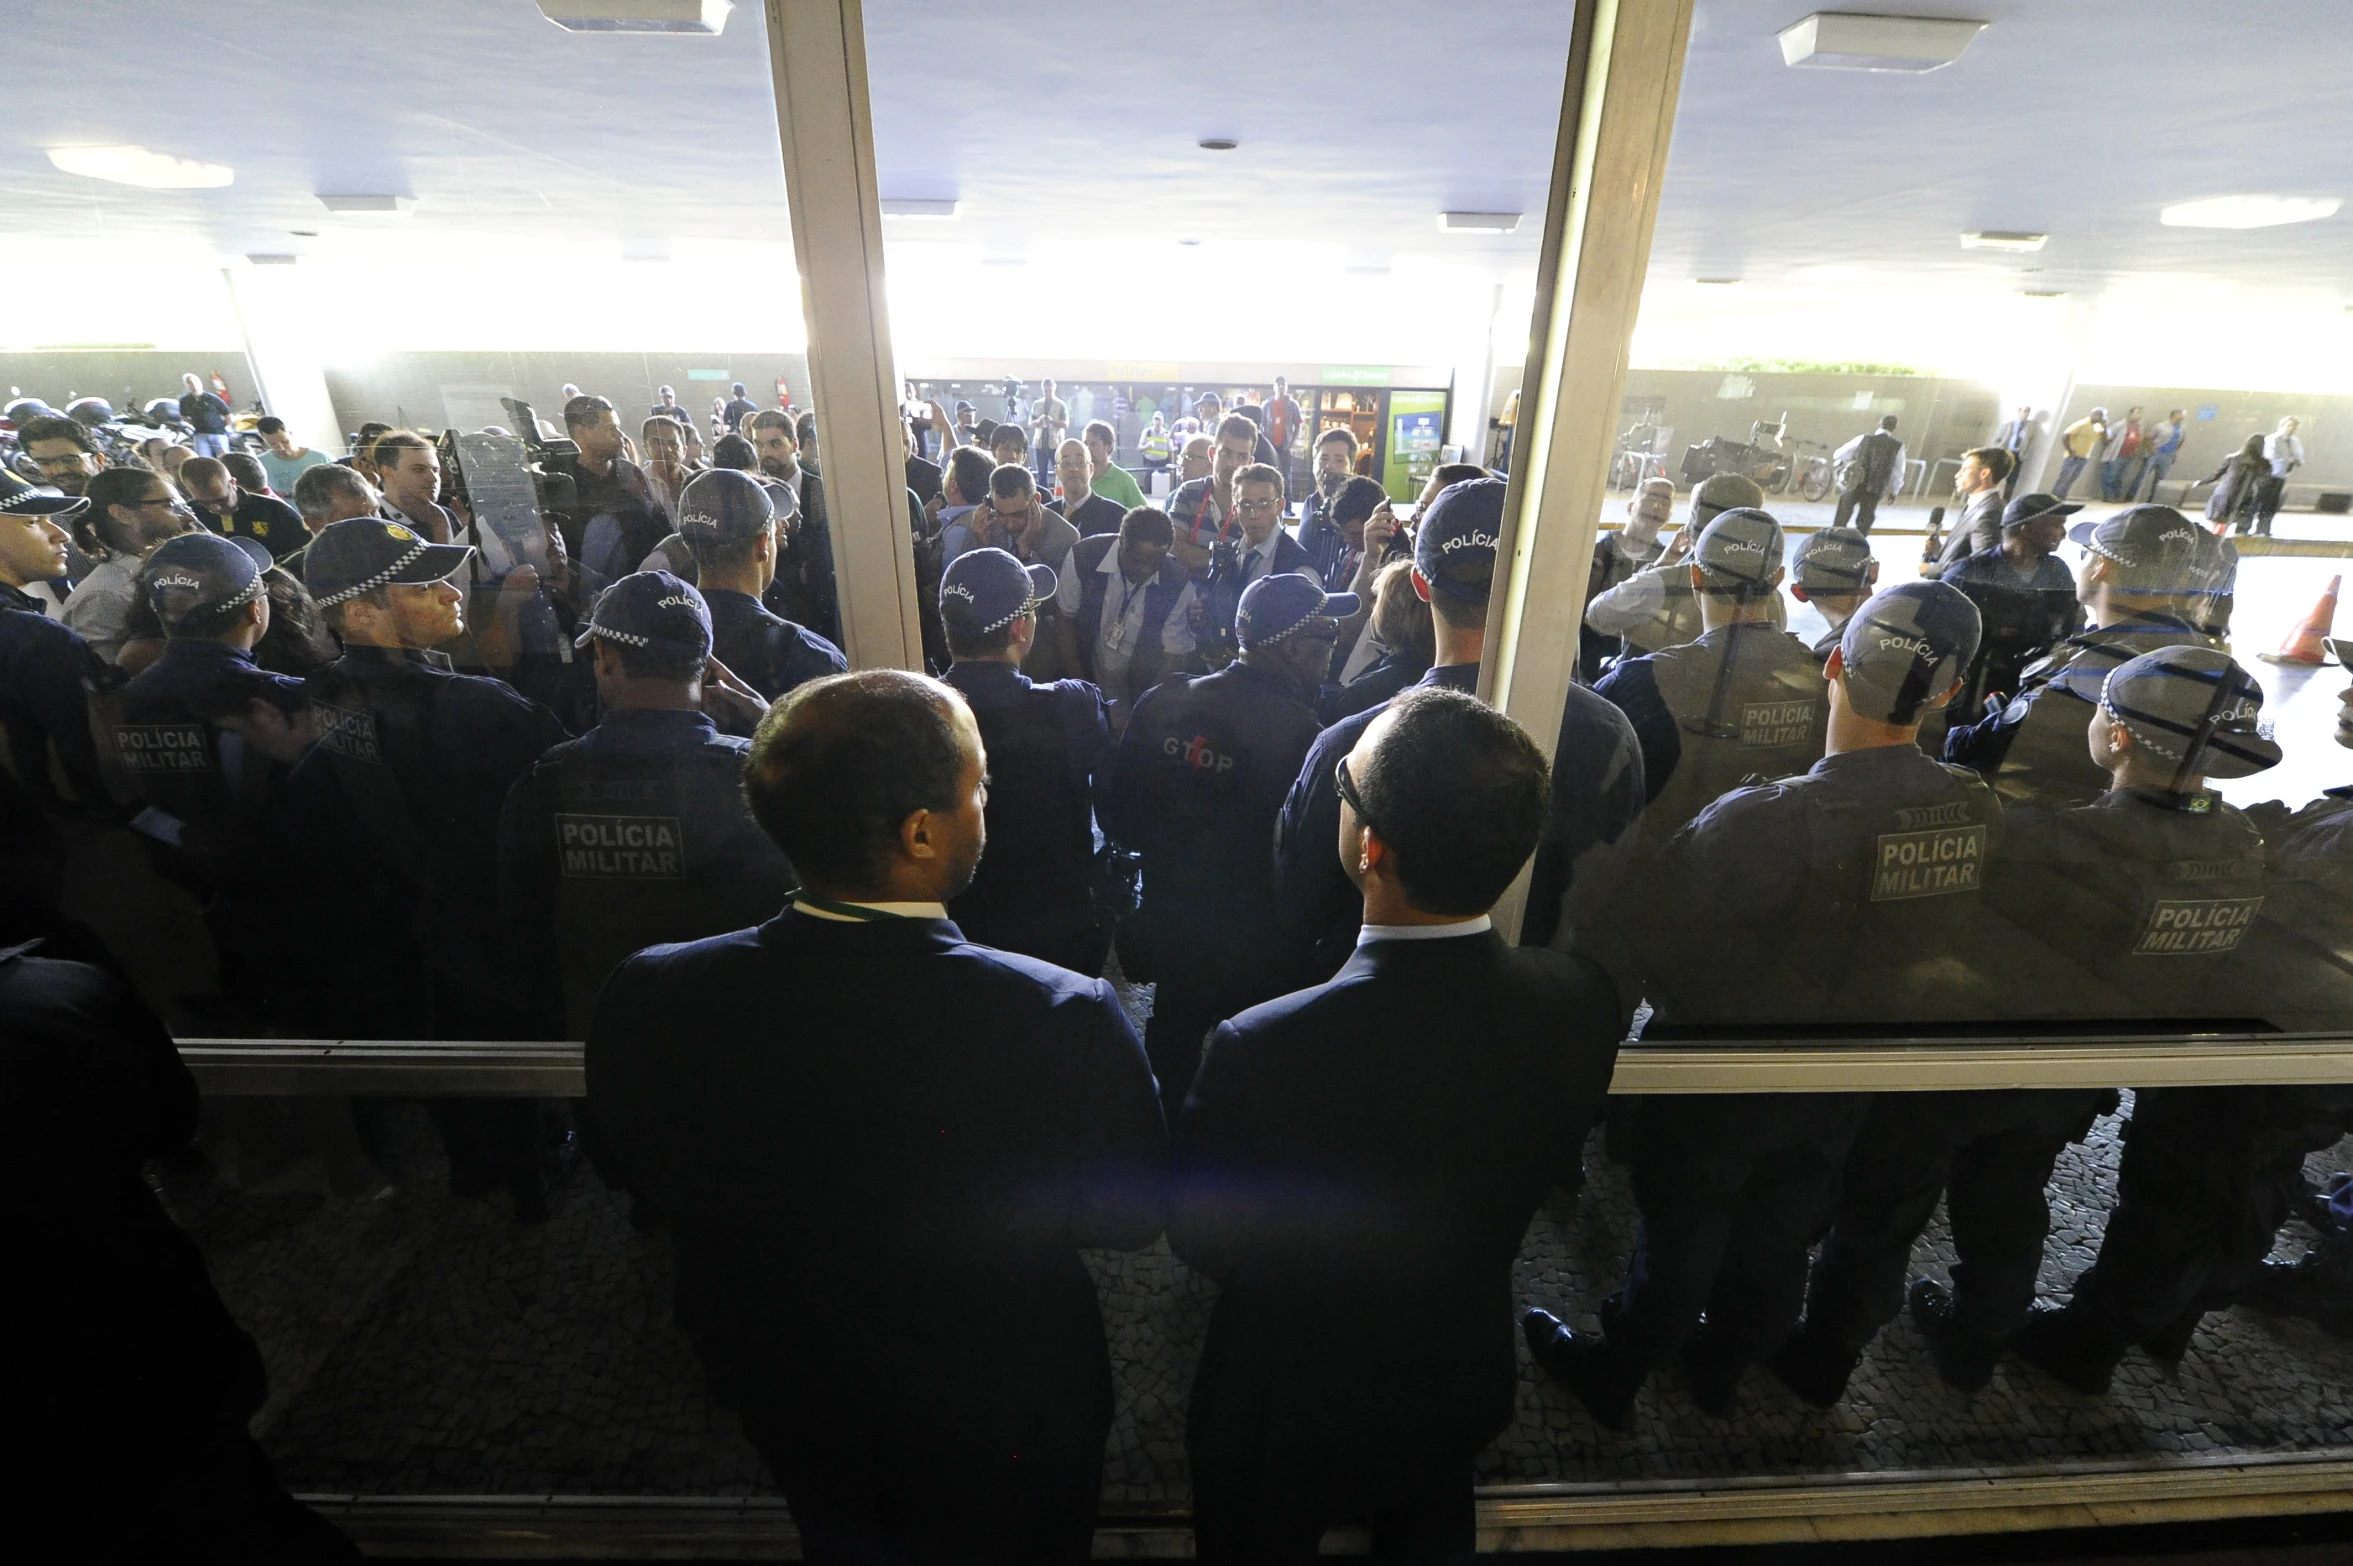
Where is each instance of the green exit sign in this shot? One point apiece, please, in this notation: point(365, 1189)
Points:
point(706, 375)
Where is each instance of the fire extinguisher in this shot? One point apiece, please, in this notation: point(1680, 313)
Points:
point(220, 387)
point(784, 395)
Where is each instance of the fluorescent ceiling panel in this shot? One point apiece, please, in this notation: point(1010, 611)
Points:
point(906, 207)
point(687, 18)
point(367, 202)
point(1478, 222)
point(2247, 211)
point(2004, 239)
point(1845, 41)
point(149, 170)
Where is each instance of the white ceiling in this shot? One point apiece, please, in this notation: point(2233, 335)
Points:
point(1073, 122)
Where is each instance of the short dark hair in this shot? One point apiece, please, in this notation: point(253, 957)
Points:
point(1008, 480)
point(841, 762)
point(581, 411)
point(1008, 435)
point(805, 429)
point(1103, 428)
point(380, 449)
point(246, 469)
point(1262, 473)
point(1238, 424)
point(725, 555)
point(658, 662)
point(269, 424)
point(94, 530)
point(55, 427)
point(1147, 525)
point(1449, 474)
point(775, 419)
point(1461, 794)
point(1340, 434)
point(970, 468)
point(1887, 421)
point(981, 644)
point(647, 428)
point(733, 451)
point(1996, 460)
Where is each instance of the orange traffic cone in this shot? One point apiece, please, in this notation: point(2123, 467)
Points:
point(2307, 643)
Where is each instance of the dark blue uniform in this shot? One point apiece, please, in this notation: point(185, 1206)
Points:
point(43, 706)
point(1195, 786)
point(1034, 891)
point(768, 653)
point(633, 835)
point(2023, 617)
point(2034, 749)
point(883, 1148)
point(1359, 1163)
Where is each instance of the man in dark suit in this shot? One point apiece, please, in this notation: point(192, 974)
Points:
point(1360, 1160)
point(882, 1148)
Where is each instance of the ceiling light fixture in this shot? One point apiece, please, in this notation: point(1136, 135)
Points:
point(1847, 41)
point(1188, 241)
point(1217, 144)
point(271, 260)
point(1717, 282)
point(149, 170)
point(366, 203)
point(2247, 211)
point(1478, 222)
point(2004, 239)
point(905, 207)
point(2044, 293)
point(684, 18)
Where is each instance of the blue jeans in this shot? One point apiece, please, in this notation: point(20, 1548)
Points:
point(2159, 465)
point(2070, 469)
point(209, 445)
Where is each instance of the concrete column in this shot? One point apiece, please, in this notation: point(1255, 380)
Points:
point(1617, 114)
point(818, 50)
point(280, 320)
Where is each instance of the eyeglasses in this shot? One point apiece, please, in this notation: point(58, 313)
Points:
point(1346, 787)
point(172, 501)
point(1258, 508)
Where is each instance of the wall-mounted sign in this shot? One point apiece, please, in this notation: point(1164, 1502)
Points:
point(1356, 375)
point(706, 375)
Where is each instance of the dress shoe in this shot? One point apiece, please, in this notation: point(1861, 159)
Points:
point(1816, 1367)
point(1586, 1365)
point(1965, 1360)
point(2060, 1343)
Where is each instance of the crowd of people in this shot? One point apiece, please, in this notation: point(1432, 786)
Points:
point(400, 764)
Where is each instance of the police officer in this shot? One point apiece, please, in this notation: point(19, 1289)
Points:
point(635, 833)
point(2137, 566)
point(1654, 607)
point(202, 739)
point(729, 524)
point(1194, 787)
point(1829, 898)
point(1834, 570)
point(1744, 701)
point(2153, 892)
point(1034, 890)
point(43, 665)
point(399, 802)
point(2025, 594)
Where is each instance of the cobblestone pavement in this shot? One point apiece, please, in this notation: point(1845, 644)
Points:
point(419, 1344)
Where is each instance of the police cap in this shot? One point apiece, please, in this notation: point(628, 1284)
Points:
point(360, 555)
point(2154, 547)
point(2192, 703)
point(1906, 645)
point(724, 506)
point(196, 574)
point(1835, 560)
point(1744, 544)
point(1274, 606)
point(1454, 540)
point(984, 590)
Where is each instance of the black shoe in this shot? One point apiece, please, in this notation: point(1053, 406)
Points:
point(1815, 1367)
point(1715, 1374)
point(2056, 1342)
point(1965, 1361)
point(1584, 1364)
point(530, 1194)
point(2168, 1344)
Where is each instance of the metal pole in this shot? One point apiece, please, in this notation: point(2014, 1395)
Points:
point(1617, 114)
point(818, 49)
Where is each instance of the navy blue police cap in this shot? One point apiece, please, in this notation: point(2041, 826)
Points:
point(1743, 544)
point(2034, 504)
point(1454, 541)
point(724, 506)
point(2155, 548)
point(1835, 560)
point(32, 502)
point(364, 553)
point(651, 609)
point(196, 574)
point(984, 590)
point(1274, 606)
point(1906, 646)
point(2193, 705)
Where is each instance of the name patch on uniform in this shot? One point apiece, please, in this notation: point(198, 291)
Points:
point(631, 848)
point(162, 747)
point(349, 732)
point(1928, 864)
point(1776, 723)
point(2206, 870)
point(2195, 928)
point(1195, 753)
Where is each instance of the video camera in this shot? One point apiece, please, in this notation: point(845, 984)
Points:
point(504, 484)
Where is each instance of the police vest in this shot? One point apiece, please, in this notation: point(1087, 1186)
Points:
point(1160, 599)
point(210, 791)
point(2155, 900)
point(1157, 446)
point(1041, 823)
point(652, 849)
point(1749, 704)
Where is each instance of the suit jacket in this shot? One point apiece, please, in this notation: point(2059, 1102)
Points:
point(1978, 529)
point(881, 1149)
point(1358, 1164)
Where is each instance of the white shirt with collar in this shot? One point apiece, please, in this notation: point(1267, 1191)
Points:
point(887, 910)
point(1260, 560)
point(1424, 932)
point(1123, 618)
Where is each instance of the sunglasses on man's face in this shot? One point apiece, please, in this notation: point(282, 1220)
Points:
point(1346, 787)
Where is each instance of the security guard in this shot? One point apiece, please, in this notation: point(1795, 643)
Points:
point(1131, 609)
point(1834, 570)
point(1034, 891)
point(1195, 785)
point(634, 834)
point(1743, 702)
point(2137, 567)
point(2154, 892)
point(1654, 607)
point(43, 666)
point(399, 804)
point(729, 524)
point(1830, 898)
point(202, 740)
